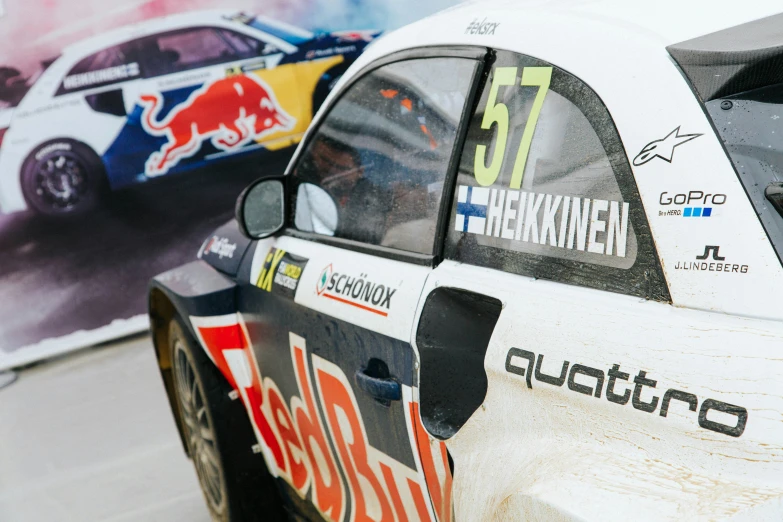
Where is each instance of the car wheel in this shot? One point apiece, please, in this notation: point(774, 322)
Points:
point(63, 177)
point(237, 486)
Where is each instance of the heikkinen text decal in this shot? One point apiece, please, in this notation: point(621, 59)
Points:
point(533, 217)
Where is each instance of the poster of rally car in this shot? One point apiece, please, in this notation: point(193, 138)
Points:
point(127, 130)
point(163, 97)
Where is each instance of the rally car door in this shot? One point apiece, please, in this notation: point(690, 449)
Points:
point(330, 308)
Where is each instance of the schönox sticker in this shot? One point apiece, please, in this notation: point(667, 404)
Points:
point(359, 292)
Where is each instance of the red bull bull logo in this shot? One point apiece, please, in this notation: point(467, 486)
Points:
point(231, 112)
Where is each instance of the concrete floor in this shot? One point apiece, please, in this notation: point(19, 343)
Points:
point(90, 437)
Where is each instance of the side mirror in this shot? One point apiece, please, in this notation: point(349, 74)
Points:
point(260, 209)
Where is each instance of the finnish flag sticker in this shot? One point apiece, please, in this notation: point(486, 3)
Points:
point(472, 209)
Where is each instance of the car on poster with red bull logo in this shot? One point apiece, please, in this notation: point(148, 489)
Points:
point(162, 97)
point(504, 277)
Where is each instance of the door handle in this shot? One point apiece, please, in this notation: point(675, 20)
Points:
point(383, 390)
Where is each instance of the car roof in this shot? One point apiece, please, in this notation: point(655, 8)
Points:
point(617, 47)
point(220, 17)
point(662, 23)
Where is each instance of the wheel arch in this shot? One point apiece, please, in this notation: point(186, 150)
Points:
point(161, 312)
point(194, 289)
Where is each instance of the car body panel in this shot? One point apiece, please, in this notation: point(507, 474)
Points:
point(576, 452)
point(692, 427)
point(197, 289)
point(292, 355)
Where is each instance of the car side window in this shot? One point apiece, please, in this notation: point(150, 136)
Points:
point(382, 155)
point(187, 49)
point(245, 46)
point(106, 67)
point(544, 187)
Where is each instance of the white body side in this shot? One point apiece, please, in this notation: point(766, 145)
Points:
point(548, 453)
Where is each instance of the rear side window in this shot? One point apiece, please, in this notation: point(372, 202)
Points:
point(544, 188)
point(383, 152)
point(106, 67)
point(245, 46)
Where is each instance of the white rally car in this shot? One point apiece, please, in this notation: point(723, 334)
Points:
point(523, 266)
point(162, 97)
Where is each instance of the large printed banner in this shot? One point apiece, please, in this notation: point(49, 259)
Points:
point(127, 130)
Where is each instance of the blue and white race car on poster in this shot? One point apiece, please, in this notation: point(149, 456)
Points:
point(161, 97)
point(525, 265)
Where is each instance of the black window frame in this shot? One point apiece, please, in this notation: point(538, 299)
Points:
point(647, 281)
point(480, 55)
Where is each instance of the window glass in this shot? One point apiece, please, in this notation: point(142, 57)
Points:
point(183, 50)
point(102, 68)
point(245, 46)
point(383, 152)
point(544, 188)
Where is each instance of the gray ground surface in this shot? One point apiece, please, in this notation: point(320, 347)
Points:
point(58, 276)
point(90, 437)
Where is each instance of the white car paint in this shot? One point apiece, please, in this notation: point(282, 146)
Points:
point(548, 453)
point(43, 116)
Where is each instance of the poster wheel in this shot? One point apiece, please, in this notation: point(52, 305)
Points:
point(7, 378)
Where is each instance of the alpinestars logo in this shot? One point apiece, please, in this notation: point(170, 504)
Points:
point(663, 148)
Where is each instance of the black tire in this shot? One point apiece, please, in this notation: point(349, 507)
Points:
point(246, 490)
point(63, 178)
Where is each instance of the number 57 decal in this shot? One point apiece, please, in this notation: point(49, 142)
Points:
point(497, 113)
